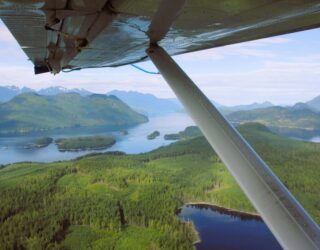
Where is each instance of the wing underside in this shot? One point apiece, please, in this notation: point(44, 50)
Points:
point(71, 34)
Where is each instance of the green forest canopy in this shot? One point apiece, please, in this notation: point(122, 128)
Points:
point(116, 201)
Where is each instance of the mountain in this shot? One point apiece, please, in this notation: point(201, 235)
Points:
point(59, 90)
point(314, 103)
point(147, 103)
point(298, 120)
point(8, 92)
point(229, 109)
point(31, 112)
point(251, 106)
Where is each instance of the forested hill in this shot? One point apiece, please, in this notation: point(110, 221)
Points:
point(148, 103)
point(297, 120)
point(116, 201)
point(31, 112)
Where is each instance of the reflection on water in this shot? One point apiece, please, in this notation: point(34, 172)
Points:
point(223, 229)
point(11, 148)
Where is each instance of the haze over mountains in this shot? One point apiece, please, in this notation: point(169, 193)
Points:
point(300, 120)
point(8, 92)
point(141, 102)
point(314, 103)
point(147, 104)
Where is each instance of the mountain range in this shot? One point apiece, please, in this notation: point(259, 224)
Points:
point(76, 107)
point(147, 103)
point(299, 120)
point(8, 92)
point(31, 112)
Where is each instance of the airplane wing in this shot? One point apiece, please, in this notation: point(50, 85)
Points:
point(71, 34)
point(74, 34)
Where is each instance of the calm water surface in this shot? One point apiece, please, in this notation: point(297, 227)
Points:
point(222, 229)
point(11, 148)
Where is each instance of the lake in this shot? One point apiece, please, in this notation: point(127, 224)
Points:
point(219, 228)
point(11, 148)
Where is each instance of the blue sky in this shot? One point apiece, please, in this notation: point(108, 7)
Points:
point(283, 70)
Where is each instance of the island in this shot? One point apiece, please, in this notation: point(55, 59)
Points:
point(85, 143)
point(40, 142)
point(189, 132)
point(153, 135)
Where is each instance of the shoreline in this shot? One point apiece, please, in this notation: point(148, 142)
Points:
point(218, 208)
point(231, 210)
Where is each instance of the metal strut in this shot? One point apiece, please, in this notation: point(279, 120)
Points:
point(285, 217)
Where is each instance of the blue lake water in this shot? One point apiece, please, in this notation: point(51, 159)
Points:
point(11, 148)
point(222, 229)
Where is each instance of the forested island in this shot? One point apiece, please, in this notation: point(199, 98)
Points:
point(188, 132)
point(40, 142)
point(85, 143)
point(153, 135)
point(123, 201)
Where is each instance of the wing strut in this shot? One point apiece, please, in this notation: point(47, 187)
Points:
point(285, 217)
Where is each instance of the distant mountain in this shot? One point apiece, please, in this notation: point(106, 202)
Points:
point(8, 92)
point(31, 112)
point(314, 103)
point(252, 106)
point(59, 90)
point(146, 103)
point(229, 109)
point(298, 120)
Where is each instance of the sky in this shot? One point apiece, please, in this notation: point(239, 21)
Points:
point(283, 70)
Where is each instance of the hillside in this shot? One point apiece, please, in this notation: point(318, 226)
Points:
point(31, 112)
point(314, 103)
point(298, 120)
point(146, 103)
point(116, 201)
